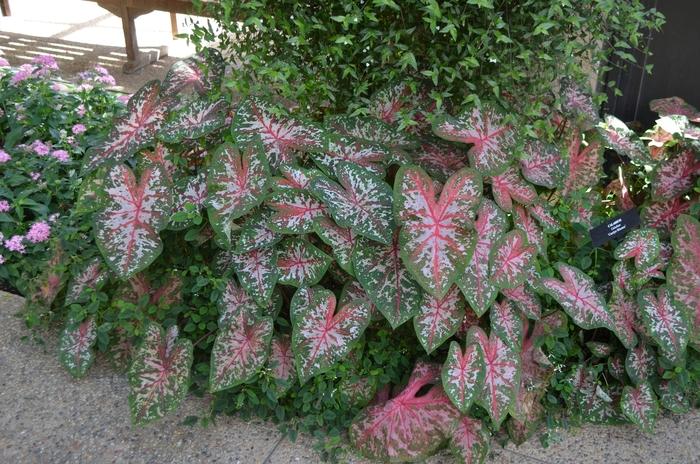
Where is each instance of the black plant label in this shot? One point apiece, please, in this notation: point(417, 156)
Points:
point(615, 228)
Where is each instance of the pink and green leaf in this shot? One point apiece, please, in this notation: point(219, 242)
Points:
point(320, 336)
point(407, 427)
point(235, 303)
point(542, 212)
point(435, 243)
point(293, 211)
point(91, 275)
point(202, 72)
point(577, 104)
point(341, 148)
point(674, 106)
point(623, 140)
point(75, 347)
point(300, 263)
point(146, 112)
point(510, 260)
point(665, 321)
point(360, 201)
point(197, 119)
point(294, 177)
point(281, 136)
point(493, 140)
point(257, 272)
point(134, 212)
point(579, 298)
point(438, 319)
point(673, 396)
point(373, 131)
point(641, 244)
point(440, 159)
point(281, 363)
point(585, 163)
point(508, 187)
point(543, 164)
point(675, 176)
point(525, 299)
point(342, 241)
point(190, 190)
point(640, 406)
point(469, 441)
point(387, 281)
point(463, 375)
point(237, 182)
point(256, 232)
point(524, 222)
point(159, 373)
point(501, 374)
point(506, 324)
point(662, 215)
point(240, 351)
point(490, 225)
point(683, 274)
point(624, 312)
point(640, 363)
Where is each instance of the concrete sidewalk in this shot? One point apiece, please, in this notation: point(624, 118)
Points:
point(48, 417)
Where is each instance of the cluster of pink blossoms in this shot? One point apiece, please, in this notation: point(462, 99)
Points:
point(4, 206)
point(39, 232)
point(78, 129)
point(4, 63)
point(61, 155)
point(4, 157)
point(40, 148)
point(40, 66)
point(15, 244)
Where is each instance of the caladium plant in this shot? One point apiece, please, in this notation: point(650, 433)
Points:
point(438, 318)
point(666, 322)
point(159, 373)
point(463, 374)
point(435, 239)
point(75, 346)
point(642, 244)
point(683, 273)
point(640, 406)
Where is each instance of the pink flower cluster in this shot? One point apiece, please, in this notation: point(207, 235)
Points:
point(78, 129)
point(4, 206)
point(40, 148)
point(40, 66)
point(4, 63)
point(61, 155)
point(4, 157)
point(99, 75)
point(39, 232)
point(15, 244)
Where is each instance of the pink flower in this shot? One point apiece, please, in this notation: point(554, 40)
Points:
point(2, 259)
point(40, 148)
point(39, 232)
point(4, 157)
point(45, 61)
point(107, 80)
point(80, 110)
point(78, 129)
point(15, 244)
point(58, 87)
point(4, 206)
point(123, 99)
point(61, 155)
point(35, 176)
point(101, 70)
point(4, 63)
point(23, 73)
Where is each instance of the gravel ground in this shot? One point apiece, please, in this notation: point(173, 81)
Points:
point(48, 417)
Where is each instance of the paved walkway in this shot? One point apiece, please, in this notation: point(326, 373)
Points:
point(48, 417)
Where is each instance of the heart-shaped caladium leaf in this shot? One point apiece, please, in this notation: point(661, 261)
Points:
point(75, 346)
point(493, 140)
point(300, 263)
point(91, 275)
point(372, 130)
point(673, 396)
point(362, 201)
point(674, 106)
point(585, 163)
point(640, 363)
point(665, 321)
point(509, 186)
point(469, 441)
point(197, 119)
point(408, 427)
point(239, 351)
point(237, 182)
point(543, 164)
point(435, 242)
point(541, 211)
point(439, 159)
point(640, 406)
point(501, 374)
point(146, 113)
point(463, 375)
point(258, 273)
point(320, 336)
point(294, 177)
point(524, 221)
point(293, 211)
point(387, 103)
point(192, 191)
point(159, 373)
point(370, 156)
point(235, 303)
point(642, 244)
point(281, 363)
point(624, 311)
point(202, 72)
point(491, 224)
point(525, 299)
point(256, 232)
point(675, 176)
point(510, 260)
point(577, 295)
point(387, 281)
point(438, 319)
point(341, 240)
point(683, 274)
point(622, 139)
point(133, 212)
point(507, 324)
point(662, 215)
point(280, 135)
point(577, 104)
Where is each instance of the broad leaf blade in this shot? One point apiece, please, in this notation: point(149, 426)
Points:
point(257, 272)
point(525, 299)
point(256, 232)
point(683, 273)
point(585, 163)
point(623, 140)
point(91, 275)
point(196, 120)
point(281, 363)
point(508, 187)
point(300, 263)
point(543, 164)
point(439, 159)
point(506, 324)
point(438, 319)
point(75, 346)
point(642, 244)
point(293, 211)
point(663, 215)
point(342, 241)
point(666, 322)
point(202, 72)
point(463, 375)
point(640, 406)
point(578, 105)
point(511, 259)
point(675, 176)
